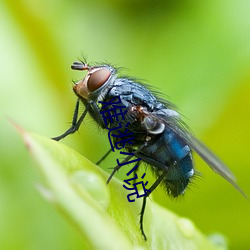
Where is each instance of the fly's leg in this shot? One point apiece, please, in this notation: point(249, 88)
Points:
point(118, 167)
point(104, 157)
point(126, 159)
point(75, 124)
point(136, 171)
point(152, 188)
point(164, 170)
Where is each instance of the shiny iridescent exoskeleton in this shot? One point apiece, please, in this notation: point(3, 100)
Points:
point(161, 138)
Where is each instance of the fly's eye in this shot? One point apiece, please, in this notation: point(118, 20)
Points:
point(97, 79)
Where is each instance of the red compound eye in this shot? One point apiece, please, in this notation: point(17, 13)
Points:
point(97, 79)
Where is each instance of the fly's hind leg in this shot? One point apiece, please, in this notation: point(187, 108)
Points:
point(152, 188)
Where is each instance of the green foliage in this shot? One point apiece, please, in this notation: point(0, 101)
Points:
point(104, 217)
point(195, 52)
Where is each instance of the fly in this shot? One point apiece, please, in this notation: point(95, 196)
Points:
point(161, 139)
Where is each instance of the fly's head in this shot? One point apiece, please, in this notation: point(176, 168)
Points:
point(95, 80)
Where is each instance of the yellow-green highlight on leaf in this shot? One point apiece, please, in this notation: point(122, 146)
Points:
point(102, 213)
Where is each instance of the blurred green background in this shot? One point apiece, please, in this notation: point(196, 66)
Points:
point(196, 53)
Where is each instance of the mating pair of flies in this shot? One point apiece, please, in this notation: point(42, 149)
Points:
point(161, 139)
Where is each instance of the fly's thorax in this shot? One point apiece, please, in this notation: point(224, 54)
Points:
point(93, 85)
point(153, 122)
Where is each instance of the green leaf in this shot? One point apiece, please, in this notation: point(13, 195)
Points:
point(102, 213)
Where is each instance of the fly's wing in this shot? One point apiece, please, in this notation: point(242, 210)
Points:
point(175, 124)
point(212, 160)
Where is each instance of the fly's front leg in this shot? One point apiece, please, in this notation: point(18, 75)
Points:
point(75, 123)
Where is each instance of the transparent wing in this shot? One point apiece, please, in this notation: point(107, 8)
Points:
point(175, 124)
point(208, 156)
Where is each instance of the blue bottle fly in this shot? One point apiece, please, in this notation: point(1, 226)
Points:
point(161, 139)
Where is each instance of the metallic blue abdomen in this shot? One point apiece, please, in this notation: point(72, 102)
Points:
point(171, 155)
